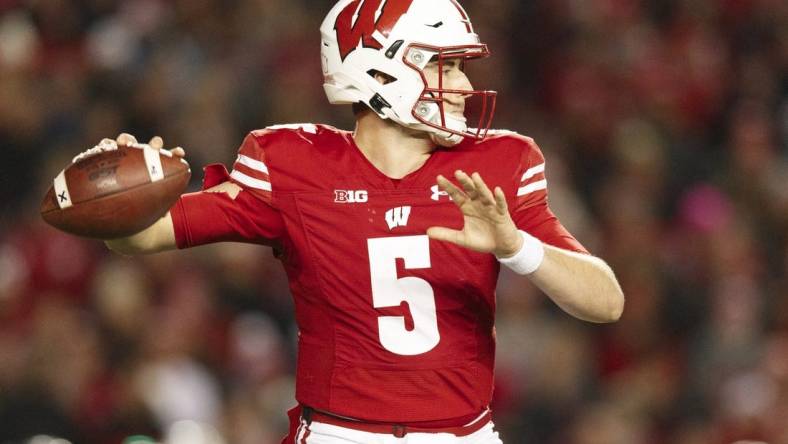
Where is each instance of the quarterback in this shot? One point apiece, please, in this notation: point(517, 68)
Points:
point(392, 235)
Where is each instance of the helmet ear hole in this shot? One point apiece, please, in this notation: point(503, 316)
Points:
point(381, 77)
point(359, 107)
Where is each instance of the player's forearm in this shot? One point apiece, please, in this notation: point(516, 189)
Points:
point(158, 237)
point(582, 285)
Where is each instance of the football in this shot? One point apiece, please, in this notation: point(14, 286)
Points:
point(115, 191)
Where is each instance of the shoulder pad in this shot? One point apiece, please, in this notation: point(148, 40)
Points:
point(505, 139)
point(310, 128)
point(305, 132)
point(503, 134)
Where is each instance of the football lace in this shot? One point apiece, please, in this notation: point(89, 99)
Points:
point(103, 146)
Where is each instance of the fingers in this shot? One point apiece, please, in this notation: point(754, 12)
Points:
point(446, 235)
point(485, 194)
point(476, 188)
point(473, 188)
point(126, 139)
point(467, 184)
point(456, 195)
point(500, 201)
point(156, 143)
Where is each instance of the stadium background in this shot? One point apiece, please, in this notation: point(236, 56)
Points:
point(665, 126)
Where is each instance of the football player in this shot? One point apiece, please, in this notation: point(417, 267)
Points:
point(392, 235)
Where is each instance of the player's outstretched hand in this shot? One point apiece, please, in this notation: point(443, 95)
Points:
point(488, 226)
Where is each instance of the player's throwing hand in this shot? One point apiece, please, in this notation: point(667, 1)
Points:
point(156, 143)
point(488, 226)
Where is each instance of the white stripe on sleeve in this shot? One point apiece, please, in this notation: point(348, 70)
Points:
point(251, 181)
point(531, 187)
point(531, 172)
point(252, 163)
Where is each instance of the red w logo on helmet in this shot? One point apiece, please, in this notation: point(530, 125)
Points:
point(350, 33)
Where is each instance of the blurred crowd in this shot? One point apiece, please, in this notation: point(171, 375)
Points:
point(665, 128)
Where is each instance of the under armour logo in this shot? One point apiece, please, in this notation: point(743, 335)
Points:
point(437, 193)
point(63, 197)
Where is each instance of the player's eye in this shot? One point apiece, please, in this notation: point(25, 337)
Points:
point(450, 66)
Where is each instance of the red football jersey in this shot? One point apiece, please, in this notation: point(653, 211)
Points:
point(393, 326)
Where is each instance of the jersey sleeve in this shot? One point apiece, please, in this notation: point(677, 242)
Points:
point(207, 216)
point(531, 212)
point(250, 171)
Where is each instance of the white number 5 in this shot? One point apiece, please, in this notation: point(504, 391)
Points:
point(390, 291)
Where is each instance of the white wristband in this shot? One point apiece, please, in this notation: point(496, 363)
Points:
point(529, 258)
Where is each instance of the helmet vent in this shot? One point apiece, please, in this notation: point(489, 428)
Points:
point(386, 78)
point(392, 51)
point(377, 102)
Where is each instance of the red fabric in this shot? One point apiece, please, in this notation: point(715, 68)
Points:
point(202, 218)
point(213, 175)
point(458, 426)
point(400, 430)
point(541, 223)
point(294, 416)
point(253, 148)
point(531, 212)
point(336, 225)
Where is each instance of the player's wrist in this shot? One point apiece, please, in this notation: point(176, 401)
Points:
point(528, 258)
point(510, 246)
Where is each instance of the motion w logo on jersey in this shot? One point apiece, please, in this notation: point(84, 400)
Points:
point(361, 19)
point(398, 217)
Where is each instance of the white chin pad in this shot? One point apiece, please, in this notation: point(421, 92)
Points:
point(430, 111)
point(445, 139)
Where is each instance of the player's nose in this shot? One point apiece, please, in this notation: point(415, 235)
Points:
point(460, 81)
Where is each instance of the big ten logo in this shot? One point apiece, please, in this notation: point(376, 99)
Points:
point(350, 196)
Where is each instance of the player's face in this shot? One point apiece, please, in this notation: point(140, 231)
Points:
point(453, 78)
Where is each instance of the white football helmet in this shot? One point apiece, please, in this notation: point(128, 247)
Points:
point(398, 38)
